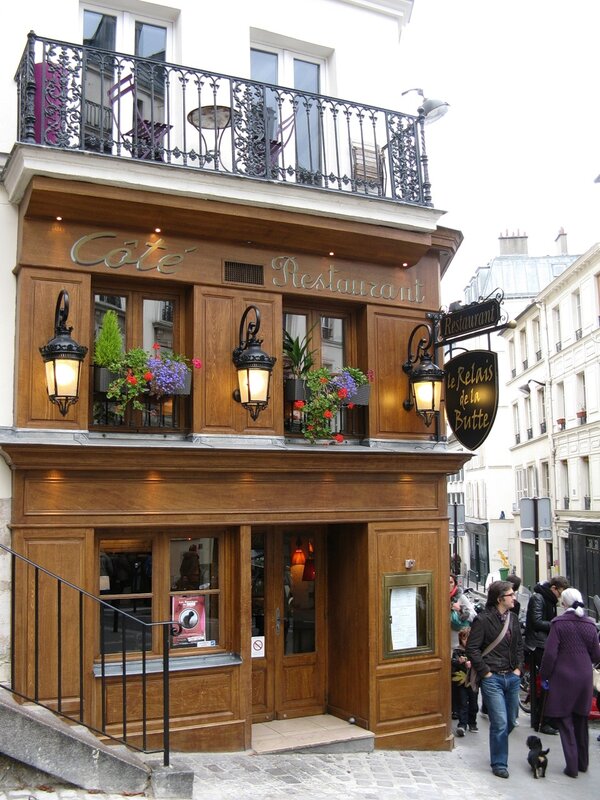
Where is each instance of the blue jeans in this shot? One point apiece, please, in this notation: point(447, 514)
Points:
point(501, 697)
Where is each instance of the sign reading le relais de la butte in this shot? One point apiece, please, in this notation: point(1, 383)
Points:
point(471, 380)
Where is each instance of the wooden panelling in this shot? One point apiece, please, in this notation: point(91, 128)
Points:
point(66, 555)
point(201, 694)
point(397, 699)
point(348, 622)
point(150, 495)
point(124, 208)
point(218, 323)
point(37, 293)
point(388, 347)
point(298, 683)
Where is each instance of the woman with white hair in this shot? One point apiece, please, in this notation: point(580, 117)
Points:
point(571, 649)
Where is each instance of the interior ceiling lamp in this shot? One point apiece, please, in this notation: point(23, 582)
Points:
point(298, 557)
point(526, 388)
point(253, 366)
point(430, 108)
point(63, 358)
point(425, 379)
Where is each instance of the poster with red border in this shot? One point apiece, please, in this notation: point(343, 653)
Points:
point(190, 620)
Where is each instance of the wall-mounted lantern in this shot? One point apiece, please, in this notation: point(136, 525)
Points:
point(253, 366)
point(425, 379)
point(63, 358)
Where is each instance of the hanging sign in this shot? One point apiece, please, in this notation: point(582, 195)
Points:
point(472, 395)
point(471, 320)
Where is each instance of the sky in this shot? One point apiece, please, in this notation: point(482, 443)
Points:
point(519, 148)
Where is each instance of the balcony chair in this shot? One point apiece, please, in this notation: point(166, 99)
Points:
point(145, 139)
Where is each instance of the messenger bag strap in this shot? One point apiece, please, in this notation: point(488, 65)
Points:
point(500, 636)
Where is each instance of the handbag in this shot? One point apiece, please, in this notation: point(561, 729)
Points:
point(473, 679)
point(596, 677)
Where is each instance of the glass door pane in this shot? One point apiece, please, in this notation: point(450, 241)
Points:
point(299, 615)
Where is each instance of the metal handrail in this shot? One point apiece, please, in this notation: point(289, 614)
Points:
point(40, 656)
point(72, 97)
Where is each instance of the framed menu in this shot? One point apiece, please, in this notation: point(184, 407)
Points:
point(408, 614)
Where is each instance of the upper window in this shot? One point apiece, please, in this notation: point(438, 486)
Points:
point(151, 320)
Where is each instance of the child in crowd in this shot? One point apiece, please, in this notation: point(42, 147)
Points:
point(467, 699)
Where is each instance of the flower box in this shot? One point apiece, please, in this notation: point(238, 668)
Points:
point(103, 377)
point(294, 389)
point(187, 385)
point(361, 398)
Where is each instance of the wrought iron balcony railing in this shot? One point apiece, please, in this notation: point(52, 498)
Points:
point(84, 99)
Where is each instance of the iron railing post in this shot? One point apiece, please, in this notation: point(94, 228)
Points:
point(166, 710)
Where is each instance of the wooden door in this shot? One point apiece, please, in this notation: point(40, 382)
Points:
point(288, 602)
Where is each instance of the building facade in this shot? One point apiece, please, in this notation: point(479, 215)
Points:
point(555, 424)
point(490, 494)
point(270, 576)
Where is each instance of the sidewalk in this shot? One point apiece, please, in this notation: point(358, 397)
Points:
point(382, 775)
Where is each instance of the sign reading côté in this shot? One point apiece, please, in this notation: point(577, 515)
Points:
point(472, 395)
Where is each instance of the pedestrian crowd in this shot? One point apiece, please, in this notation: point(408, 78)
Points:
point(490, 653)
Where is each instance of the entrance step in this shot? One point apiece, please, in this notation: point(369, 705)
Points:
point(318, 734)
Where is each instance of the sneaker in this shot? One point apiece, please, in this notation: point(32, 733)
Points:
point(499, 772)
point(473, 728)
point(460, 731)
point(516, 723)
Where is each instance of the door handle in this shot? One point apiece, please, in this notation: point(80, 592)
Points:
point(277, 621)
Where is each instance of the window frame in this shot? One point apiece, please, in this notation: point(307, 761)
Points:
point(161, 593)
point(135, 295)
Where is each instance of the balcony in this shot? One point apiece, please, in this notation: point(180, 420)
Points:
point(74, 98)
point(587, 502)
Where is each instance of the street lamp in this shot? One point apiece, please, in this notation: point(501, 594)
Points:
point(63, 358)
point(424, 380)
point(253, 366)
point(430, 108)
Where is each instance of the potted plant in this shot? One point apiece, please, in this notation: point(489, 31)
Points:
point(108, 351)
point(297, 362)
point(561, 422)
point(327, 392)
point(505, 565)
point(582, 415)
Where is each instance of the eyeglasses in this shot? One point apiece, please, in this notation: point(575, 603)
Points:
point(510, 594)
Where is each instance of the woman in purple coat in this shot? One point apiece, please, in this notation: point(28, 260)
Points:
point(571, 648)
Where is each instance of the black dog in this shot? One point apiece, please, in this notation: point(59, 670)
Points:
point(537, 757)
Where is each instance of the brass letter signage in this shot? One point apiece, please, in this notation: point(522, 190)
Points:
point(472, 395)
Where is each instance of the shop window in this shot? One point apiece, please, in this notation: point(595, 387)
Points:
point(126, 584)
point(146, 320)
point(195, 592)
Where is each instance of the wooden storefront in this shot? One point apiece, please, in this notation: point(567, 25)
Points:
point(372, 518)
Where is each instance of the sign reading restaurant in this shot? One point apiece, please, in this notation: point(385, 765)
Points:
point(470, 320)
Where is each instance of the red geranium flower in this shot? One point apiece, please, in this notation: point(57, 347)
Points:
point(324, 380)
point(350, 405)
point(299, 404)
point(148, 376)
point(327, 414)
point(131, 379)
point(339, 438)
point(156, 346)
point(342, 393)
point(196, 363)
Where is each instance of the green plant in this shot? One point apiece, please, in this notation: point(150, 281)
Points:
point(298, 355)
point(326, 393)
point(108, 348)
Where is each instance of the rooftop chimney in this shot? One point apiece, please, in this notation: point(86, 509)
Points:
point(514, 244)
point(561, 243)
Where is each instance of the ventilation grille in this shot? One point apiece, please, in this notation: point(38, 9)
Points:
point(238, 272)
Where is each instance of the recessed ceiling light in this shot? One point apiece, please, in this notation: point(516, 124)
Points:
point(331, 253)
point(59, 219)
point(157, 230)
point(405, 263)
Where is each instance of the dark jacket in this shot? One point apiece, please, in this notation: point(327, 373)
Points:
point(571, 648)
point(507, 655)
point(541, 610)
